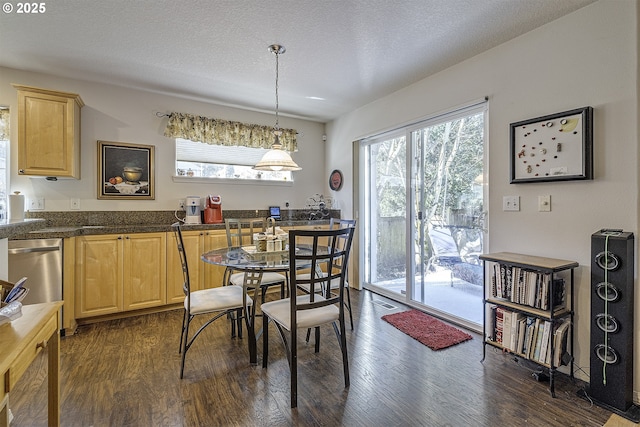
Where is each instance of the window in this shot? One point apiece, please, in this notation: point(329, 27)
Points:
point(223, 162)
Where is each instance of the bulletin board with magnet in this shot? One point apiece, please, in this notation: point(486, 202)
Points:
point(557, 147)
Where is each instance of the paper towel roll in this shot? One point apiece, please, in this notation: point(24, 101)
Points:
point(16, 206)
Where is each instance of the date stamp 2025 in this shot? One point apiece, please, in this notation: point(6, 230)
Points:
point(24, 8)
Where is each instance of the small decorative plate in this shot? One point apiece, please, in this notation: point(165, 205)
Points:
point(335, 180)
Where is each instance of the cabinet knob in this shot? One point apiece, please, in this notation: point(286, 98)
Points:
point(20, 170)
point(119, 237)
point(42, 344)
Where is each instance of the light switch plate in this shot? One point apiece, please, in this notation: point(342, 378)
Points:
point(511, 203)
point(544, 203)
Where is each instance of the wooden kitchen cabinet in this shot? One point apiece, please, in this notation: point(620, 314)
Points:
point(212, 275)
point(145, 280)
point(194, 246)
point(116, 272)
point(202, 275)
point(48, 132)
point(98, 284)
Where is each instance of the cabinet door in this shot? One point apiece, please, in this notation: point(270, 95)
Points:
point(213, 274)
point(48, 132)
point(98, 275)
point(144, 270)
point(193, 246)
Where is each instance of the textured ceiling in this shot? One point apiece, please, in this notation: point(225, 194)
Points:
point(346, 52)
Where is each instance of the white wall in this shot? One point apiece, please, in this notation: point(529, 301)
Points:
point(587, 58)
point(118, 114)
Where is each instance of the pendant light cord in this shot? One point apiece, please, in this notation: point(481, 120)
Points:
point(277, 126)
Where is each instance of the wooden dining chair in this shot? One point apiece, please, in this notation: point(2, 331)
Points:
point(335, 223)
point(240, 233)
point(322, 305)
point(217, 302)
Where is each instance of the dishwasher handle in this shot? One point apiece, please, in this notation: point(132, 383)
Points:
point(15, 251)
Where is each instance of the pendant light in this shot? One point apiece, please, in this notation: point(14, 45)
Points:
point(276, 159)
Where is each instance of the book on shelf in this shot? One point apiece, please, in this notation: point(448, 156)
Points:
point(560, 342)
point(544, 342)
point(534, 339)
point(515, 323)
point(522, 332)
point(491, 323)
point(499, 325)
point(506, 328)
point(528, 339)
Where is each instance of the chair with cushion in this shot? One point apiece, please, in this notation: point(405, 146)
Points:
point(326, 254)
point(216, 302)
point(240, 233)
point(336, 223)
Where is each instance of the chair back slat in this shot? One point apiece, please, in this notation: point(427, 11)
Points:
point(240, 231)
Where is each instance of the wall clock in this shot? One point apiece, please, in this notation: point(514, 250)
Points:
point(335, 180)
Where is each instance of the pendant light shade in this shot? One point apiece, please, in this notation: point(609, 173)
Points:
point(276, 159)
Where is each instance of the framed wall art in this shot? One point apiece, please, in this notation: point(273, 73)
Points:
point(125, 171)
point(557, 147)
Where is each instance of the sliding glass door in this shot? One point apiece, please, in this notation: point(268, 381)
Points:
point(424, 214)
point(386, 223)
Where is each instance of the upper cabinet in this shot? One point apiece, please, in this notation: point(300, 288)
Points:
point(48, 132)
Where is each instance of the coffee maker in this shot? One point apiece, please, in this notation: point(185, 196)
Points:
point(192, 209)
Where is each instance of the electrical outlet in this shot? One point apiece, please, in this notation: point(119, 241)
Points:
point(36, 203)
point(286, 204)
point(181, 204)
point(511, 203)
point(75, 204)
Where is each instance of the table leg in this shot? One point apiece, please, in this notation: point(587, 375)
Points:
point(53, 350)
point(250, 320)
point(251, 336)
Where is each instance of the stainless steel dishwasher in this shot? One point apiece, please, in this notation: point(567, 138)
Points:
point(40, 260)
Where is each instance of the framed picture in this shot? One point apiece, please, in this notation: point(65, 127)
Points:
point(125, 171)
point(557, 147)
point(335, 180)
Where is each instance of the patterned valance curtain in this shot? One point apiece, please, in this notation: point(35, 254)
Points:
point(4, 124)
point(223, 132)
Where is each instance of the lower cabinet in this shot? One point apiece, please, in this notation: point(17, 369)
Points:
point(202, 275)
point(116, 272)
point(193, 246)
point(212, 275)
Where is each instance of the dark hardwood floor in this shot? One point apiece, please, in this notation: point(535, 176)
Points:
point(126, 373)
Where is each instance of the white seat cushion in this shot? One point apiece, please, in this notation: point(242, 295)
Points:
point(280, 312)
point(217, 299)
point(268, 278)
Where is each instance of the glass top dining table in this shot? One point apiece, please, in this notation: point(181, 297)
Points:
point(247, 258)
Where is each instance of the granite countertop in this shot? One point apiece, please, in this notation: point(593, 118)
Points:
point(63, 224)
point(88, 230)
point(11, 228)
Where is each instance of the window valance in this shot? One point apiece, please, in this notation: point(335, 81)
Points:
point(4, 124)
point(223, 132)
